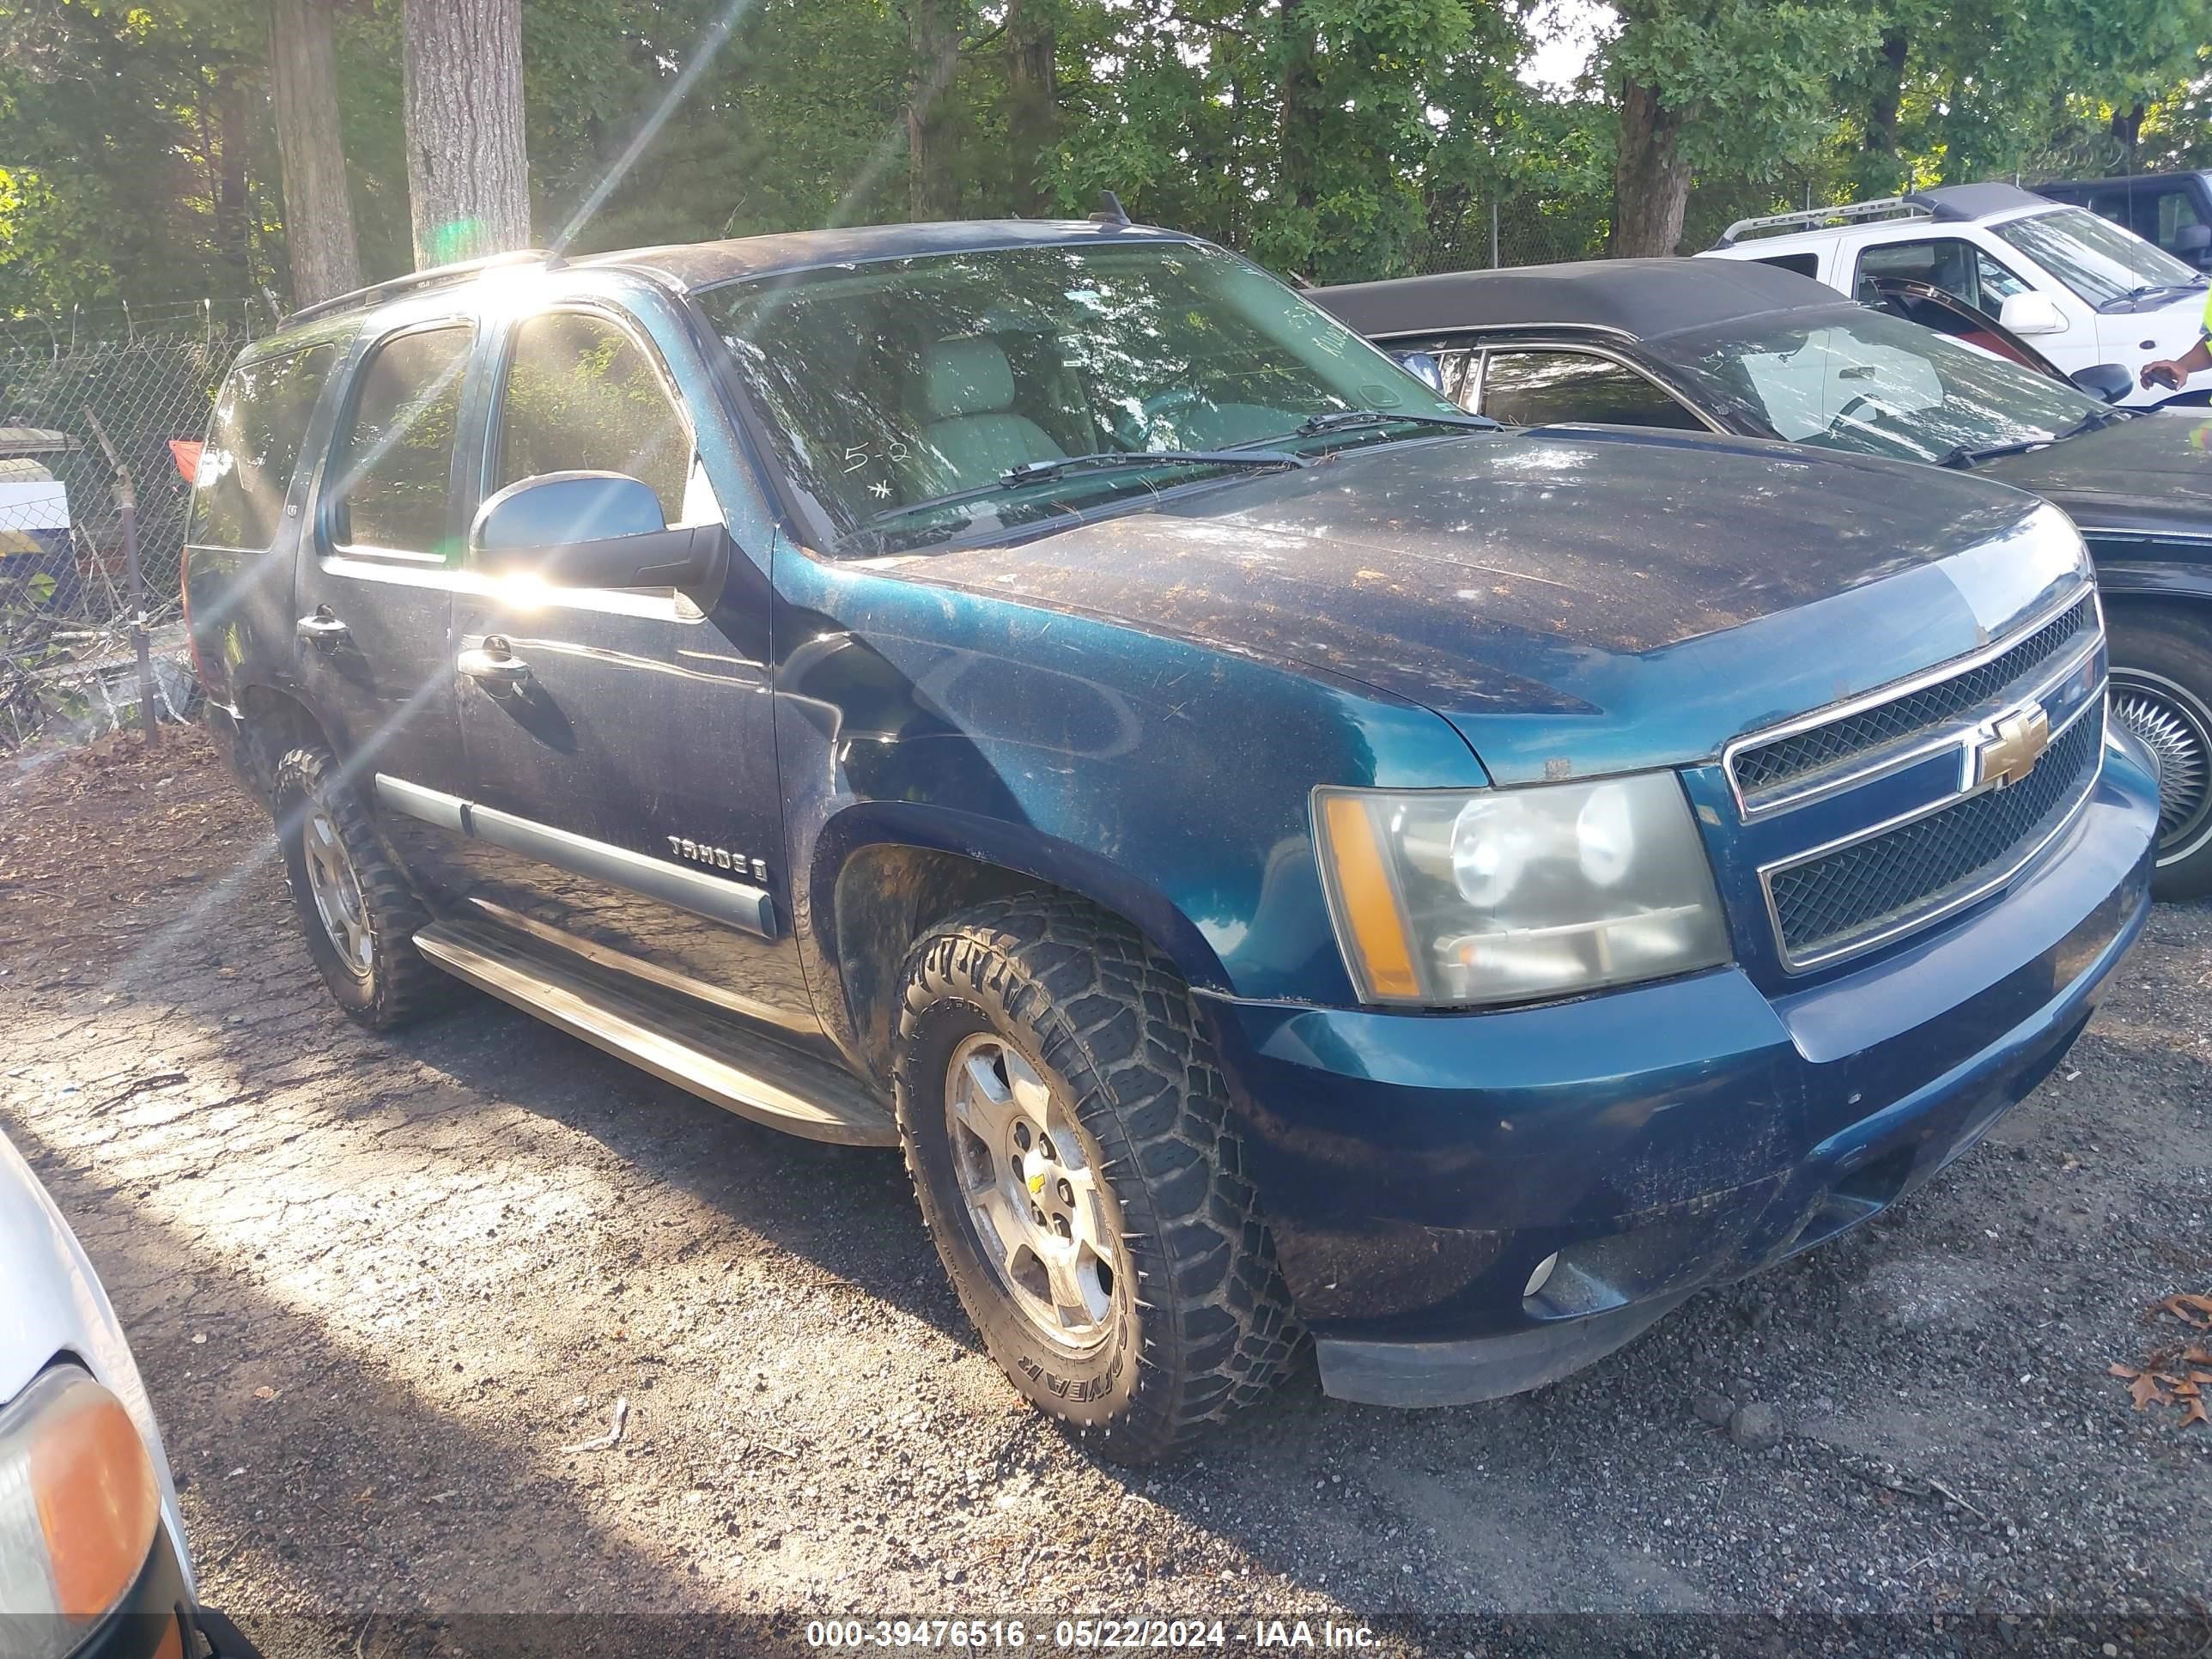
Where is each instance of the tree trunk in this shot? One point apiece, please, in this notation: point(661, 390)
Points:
point(2127, 127)
point(933, 33)
point(1880, 173)
point(1032, 105)
point(468, 173)
point(232, 222)
point(1300, 122)
point(1650, 180)
point(318, 212)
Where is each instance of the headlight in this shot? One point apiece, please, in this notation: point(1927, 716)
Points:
point(1446, 899)
point(78, 1507)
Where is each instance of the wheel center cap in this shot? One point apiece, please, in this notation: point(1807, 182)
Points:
point(1031, 1168)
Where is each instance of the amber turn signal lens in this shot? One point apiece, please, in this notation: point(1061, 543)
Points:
point(97, 1501)
point(1373, 926)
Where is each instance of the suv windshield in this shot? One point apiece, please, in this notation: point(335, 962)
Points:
point(1848, 378)
point(2101, 262)
point(888, 386)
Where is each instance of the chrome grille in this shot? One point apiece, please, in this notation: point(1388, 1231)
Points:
point(1796, 761)
point(1906, 877)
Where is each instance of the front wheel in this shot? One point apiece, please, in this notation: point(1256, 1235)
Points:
point(1067, 1130)
point(2162, 681)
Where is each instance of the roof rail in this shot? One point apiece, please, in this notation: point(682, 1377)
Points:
point(1814, 218)
point(377, 294)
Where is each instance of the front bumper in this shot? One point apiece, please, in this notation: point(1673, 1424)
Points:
point(1416, 1170)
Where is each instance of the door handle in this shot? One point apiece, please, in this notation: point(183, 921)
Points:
point(495, 664)
point(320, 629)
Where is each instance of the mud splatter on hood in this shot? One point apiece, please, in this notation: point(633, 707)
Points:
point(1574, 598)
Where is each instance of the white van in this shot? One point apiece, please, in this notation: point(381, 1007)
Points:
point(2086, 289)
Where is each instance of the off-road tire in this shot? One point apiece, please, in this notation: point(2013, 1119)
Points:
point(400, 986)
point(2168, 659)
point(1207, 1326)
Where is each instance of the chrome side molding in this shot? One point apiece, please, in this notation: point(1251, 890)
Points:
point(738, 904)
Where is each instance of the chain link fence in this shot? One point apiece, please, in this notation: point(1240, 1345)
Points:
point(1524, 228)
point(1530, 227)
point(80, 409)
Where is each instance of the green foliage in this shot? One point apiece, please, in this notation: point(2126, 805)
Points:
point(1751, 82)
point(1333, 138)
point(116, 122)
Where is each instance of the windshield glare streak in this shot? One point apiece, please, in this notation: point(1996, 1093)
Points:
point(1852, 379)
point(886, 386)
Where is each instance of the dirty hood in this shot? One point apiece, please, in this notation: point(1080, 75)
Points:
point(1574, 601)
point(2151, 473)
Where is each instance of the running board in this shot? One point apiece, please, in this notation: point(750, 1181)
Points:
point(760, 1079)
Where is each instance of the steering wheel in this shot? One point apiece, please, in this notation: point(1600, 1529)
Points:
point(1168, 403)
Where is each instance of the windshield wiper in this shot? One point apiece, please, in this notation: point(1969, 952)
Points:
point(1105, 460)
point(2150, 290)
point(1342, 420)
point(1965, 455)
point(1110, 460)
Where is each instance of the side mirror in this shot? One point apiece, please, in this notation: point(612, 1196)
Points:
point(2194, 244)
point(2106, 382)
point(1422, 367)
point(591, 529)
point(2032, 314)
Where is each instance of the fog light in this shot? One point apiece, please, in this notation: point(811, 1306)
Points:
point(1542, 1276)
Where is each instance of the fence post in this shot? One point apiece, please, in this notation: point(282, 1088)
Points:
point(126, 506)
point(1493, 233)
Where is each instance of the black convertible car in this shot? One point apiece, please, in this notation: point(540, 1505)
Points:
point(1706, 345)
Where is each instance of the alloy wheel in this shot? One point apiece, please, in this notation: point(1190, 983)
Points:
point(335, 890)
point(1028, 1172)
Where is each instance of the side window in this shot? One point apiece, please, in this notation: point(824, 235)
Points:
point(1995, 282)
point(1454, 366)
point(1939, 263)
point(1461, 383)
point(583, 396)
point(395, 461)
point(1532, 388)
point(1805, 264)
point(2110, 204)
point(2173, 212)
point(252, 446)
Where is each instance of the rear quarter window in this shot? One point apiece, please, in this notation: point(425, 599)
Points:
point(1805, 264)
point(253, 443)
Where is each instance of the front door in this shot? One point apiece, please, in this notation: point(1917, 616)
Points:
point(375, 593)
point(622, 789)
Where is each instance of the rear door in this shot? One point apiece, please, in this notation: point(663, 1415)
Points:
point(375, 588)
point(623, 794)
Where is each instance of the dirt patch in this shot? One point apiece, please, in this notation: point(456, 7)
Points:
point(382, 1289)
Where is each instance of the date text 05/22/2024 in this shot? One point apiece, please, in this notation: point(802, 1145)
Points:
point(1290, 1635)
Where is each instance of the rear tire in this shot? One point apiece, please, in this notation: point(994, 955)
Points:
point(1067, 1126)
point(358, 913)
point(2161, 673)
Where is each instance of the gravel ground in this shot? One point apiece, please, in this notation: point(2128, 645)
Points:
point(387, 1291)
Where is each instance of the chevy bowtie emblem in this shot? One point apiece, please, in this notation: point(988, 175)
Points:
point(2014, 743)
point(1036, 1182)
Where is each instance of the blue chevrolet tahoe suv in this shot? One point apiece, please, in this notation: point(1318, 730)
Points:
point(1280, 858)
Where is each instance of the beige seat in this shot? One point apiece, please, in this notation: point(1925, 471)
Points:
point(973, 432)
